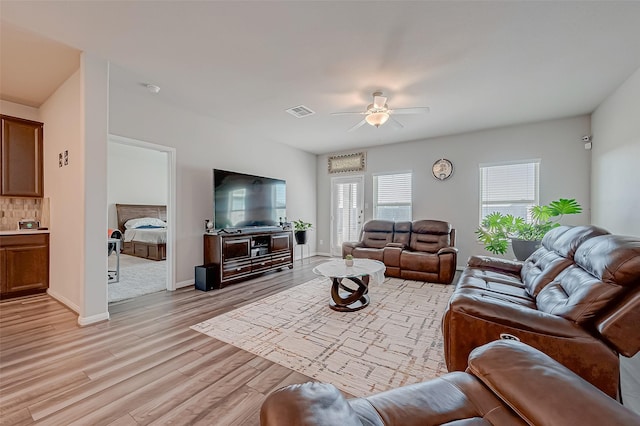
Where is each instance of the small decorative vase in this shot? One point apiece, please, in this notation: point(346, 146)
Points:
point(348, 262)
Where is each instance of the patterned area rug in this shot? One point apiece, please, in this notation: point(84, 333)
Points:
point(393, 342)
point(138, 276)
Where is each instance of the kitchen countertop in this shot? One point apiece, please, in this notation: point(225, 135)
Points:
point(24, 232)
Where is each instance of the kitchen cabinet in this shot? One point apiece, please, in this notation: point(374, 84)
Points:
point(21, 151)
point(24, 264)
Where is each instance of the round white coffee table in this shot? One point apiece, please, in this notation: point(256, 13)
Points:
point(343, 297)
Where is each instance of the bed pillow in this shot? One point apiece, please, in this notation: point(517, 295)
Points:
point(145, 222)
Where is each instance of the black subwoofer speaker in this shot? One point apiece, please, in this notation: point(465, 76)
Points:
point(206, 277)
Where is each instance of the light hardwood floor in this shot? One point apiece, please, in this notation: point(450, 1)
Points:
point(143, 366)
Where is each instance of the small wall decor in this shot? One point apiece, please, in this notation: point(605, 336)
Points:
point(347, 163)
point(442, 169)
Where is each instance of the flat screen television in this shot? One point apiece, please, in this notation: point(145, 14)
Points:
point(242, 201)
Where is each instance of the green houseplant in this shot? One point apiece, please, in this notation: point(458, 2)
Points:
point(497, 229)
point(300, 230)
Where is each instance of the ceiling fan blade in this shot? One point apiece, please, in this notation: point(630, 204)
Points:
point(348, 112)
point(357, 126)
point(416, 110)
point(395, 123)
point(379, 101)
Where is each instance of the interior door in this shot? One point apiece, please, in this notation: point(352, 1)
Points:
point(347, 201)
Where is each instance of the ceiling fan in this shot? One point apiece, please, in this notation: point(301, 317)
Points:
point(378, 113)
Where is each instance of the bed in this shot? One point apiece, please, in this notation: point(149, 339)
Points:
point(149, 242)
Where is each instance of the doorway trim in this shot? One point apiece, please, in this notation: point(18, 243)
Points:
point(171, 199)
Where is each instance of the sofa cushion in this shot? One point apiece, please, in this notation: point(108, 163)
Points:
point(568, 242)
point(419, 261)
point(494, 275)
point(377, 233)
point(541, 268)
point(368, 253)
point(605, 267)
point(402, 233)
point(558, 249)
point(430, 235)
point(470, 281)
point(611, 258)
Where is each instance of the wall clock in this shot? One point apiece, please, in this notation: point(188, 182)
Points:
point(442, 169)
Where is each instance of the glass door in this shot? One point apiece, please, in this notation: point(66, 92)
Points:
point(347, 200)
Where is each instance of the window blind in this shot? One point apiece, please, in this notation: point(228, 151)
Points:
point(392, 196)
point(509, 188)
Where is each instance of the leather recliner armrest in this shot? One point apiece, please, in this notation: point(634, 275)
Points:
point(308, 404)
point(353, 244)
point(445, 250)
point(396, 245)
point(391, 254)
point(506, 265)
point(541, 390)
point(349, 246)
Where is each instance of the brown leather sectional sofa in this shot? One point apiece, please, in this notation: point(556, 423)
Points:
point(421, 250)
point(577, 299)
point(506, 383)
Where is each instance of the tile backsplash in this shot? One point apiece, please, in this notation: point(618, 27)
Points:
point(13, 209)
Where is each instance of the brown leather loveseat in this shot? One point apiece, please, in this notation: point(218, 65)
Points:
point(421, 250)
point(506, 383)
point(577, 299)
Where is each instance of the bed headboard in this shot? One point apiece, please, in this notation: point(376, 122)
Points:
point(133, 211)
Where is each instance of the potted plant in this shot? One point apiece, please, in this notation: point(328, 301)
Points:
point(498, 229)
point(348, 260)
point(300, 230)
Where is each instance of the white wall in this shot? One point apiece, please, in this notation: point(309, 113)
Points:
point(135, 176)
point(94, 119)
point(564, 172)
point(202, 144)
point(616, 160)
point(20, 111)
point(615, 185)
point(64, 186)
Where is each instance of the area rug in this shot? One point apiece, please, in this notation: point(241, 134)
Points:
point(394, 341)
point(138, 276)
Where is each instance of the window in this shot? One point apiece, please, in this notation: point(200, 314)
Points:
point(509, 188)
point(392, 196)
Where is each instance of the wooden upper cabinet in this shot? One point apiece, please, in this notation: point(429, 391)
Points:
point(21, 164)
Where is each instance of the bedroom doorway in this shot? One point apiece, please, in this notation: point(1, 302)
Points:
point(141, 174)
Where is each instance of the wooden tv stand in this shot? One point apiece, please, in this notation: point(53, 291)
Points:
point(238, 256)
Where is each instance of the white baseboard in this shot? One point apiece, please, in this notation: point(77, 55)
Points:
point(186, 283)
point(66, 302)
point(322, 254)
point(82, 321)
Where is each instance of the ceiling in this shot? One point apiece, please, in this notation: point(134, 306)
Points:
point(32, 67)
point(477, 65)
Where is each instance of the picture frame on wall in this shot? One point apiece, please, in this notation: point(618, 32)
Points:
point(347, 163)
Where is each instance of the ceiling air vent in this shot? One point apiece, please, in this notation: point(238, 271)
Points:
point(300, 111)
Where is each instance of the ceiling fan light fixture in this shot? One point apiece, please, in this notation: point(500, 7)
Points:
point(377, 118)
point(152, 88)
